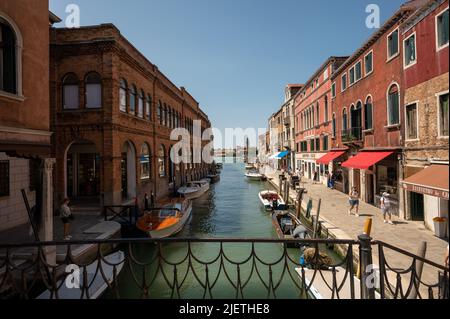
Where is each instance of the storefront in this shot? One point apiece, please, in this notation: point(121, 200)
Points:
point(331, 163)
point(374, 173)
point(428, 194)
point(313, 170)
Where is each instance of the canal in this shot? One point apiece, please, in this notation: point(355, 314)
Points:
point(230, 210)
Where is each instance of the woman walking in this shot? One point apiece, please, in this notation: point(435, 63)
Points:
point(354, 201)
point(386, 208)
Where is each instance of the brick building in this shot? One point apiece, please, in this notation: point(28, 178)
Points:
point(368, 92)
point(313, 120)
point(425, 66)
point(112, 113)
point(25, 153)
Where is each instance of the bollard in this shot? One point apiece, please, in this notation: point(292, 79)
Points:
point(368, 275)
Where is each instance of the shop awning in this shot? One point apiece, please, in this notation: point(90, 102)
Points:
point(274, 156)
point(431, 181)
point(283, 154)
point(329, 157)
point(364, 160)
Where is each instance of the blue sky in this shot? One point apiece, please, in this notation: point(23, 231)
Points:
point(236, 56)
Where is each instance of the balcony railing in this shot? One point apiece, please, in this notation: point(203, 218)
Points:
point(287, 121)
point(353, 134)
point(232, 268)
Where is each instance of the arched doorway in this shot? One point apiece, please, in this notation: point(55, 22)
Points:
point(128, 169)
point(82, 171)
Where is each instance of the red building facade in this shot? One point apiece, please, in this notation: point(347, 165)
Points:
point(367, 100)
point(313, 120)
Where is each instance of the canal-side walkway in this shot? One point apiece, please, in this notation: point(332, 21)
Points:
point(406, 235)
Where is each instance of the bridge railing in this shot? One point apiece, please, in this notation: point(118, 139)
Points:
point(212, 268)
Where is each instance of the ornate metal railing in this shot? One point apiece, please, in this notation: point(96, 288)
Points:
point(353, 134)
point(208, 268)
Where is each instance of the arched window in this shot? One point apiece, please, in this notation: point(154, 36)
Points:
point(312, 117)
point(344, 121)
point(71, 92)
point(93, 91)
point(141, 104)
point(169, 117)
point(162, 161)
point(318, 113)
point(159, 113)
point(10, 57)
point(393, 105)
point(145, 162)
point(148, 108)
point(301, 122)
point(333, 124)
point(133, 96)
point(326, 109)
point(165, 115)
point(368, 114)
point(123, 95)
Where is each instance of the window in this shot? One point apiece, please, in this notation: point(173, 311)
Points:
point(326, 108)
point(141, 104)
point(162, 161)
point(442, 29)
point(71, 92)
point(325, 143)
point(4, 178)
point(392, 44)
point(145, 162)
point(123, 95)
point(344, 120)
point(344, 82)
point(148, 108)
point(411, 121)
point(443, 115)
point(352, 75)
point(393, 105)
point(317, 114)
point(409, 50)
point(333, 90)
point(333, 125)
point(312, 145)
point(133, 95)
point(368, 114)
point(368, 63)
point(159, 113)
point(358, 71)
point(165, 115)
point(93, 91)
point(8, 58)
point(317, 144)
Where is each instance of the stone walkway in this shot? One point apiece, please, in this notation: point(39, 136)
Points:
point(406, 235)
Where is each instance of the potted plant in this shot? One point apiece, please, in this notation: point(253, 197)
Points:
point(440, 226)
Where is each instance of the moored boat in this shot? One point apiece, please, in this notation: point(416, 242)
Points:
point(98, 276)
point(288, 226)
point(254, 176)
point(213, 177)
point(194, 189)
point(249, 167)
point(167, 221)
point(272, 201)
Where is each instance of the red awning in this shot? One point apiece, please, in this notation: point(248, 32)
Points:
point(364, 160)
point(329, 157)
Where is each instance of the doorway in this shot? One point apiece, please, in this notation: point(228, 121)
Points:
point(128, 171)
point(370, 199)
point(417, 209)
point(357, 180)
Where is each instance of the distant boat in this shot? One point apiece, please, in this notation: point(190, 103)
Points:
point(288, 226)
point(97, 280)
point(249, 167)
point(254, 176)
point(166, 222)
point(194, 189)
point(219, 166)
point(268, 198)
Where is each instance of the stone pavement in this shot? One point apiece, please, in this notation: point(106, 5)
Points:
point(406, 235)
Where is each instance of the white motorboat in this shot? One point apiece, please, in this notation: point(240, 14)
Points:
point(194, 189)
point(99, 277)
point(272, 201)
point(249, 167)
point(167, 221)
point(254, 176)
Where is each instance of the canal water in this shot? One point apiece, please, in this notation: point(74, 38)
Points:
point(230, 210)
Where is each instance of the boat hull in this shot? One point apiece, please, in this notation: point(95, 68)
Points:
point(295, 223)
point(268, 205)
point(174, 229)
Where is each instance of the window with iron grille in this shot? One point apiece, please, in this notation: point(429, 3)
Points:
point(4, 178)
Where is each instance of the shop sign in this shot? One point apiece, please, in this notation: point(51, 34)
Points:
point(444, 194)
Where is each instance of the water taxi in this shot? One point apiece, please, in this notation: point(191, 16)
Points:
point(194, 189)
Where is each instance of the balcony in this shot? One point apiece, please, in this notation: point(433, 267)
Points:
point(287, 121)
point(351, 135)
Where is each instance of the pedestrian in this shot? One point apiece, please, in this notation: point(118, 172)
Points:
point(385, 203)
point(354, 201)
point(446, 258)
point(66, 218)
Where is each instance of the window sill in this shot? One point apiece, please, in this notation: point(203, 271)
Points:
point(392, 127)
point(14, 97)
point(413, 140)
point(368, 132)
point(389, 59)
